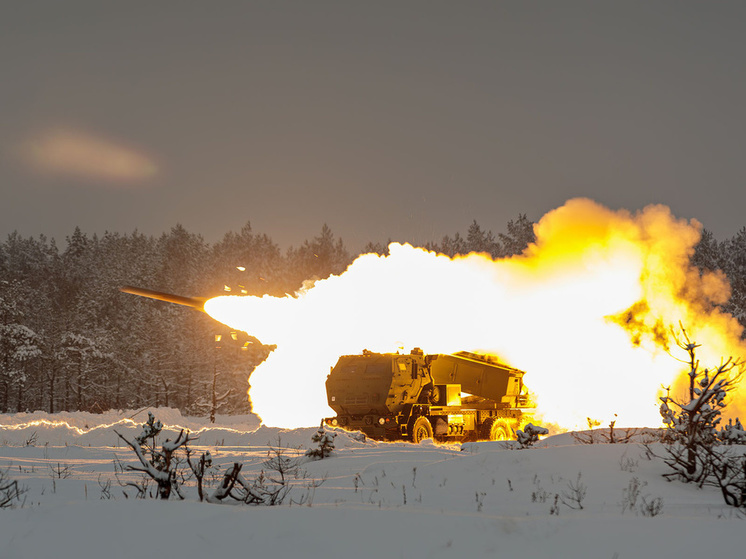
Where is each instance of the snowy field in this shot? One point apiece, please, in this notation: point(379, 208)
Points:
point(375, 500)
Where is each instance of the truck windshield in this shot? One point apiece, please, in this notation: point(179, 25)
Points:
point(377, 369)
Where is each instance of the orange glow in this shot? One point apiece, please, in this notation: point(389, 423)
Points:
point(586, 312)
point(70, 152)
point(45, 423)
point(63, 424)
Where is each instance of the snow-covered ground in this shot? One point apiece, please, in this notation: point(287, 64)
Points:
point(376, 500)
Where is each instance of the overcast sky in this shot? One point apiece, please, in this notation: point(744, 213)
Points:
point(402, 120)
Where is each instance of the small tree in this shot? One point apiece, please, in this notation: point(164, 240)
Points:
point(692, 421)
point(325, 444)
point(160, 465)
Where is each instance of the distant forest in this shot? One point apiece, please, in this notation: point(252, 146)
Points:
point(69, 340)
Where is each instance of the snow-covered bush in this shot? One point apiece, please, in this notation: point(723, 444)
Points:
point(733, 433)
point(727, 462)
point(159, 465)
point(272, 486)
point(728, 473)
point(324, 444)
point(529, 435)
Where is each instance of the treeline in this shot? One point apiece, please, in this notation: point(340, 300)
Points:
point(728, 257)
point(69, 340)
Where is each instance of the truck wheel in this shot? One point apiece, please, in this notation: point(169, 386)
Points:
point(495, 429)
point(420, 430)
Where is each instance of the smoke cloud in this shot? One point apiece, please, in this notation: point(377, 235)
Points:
point(67, 152)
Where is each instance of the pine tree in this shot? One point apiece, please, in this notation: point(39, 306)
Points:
point(452, 246)
point(520, 234)
point(247, 263)
point(707, 253)
point(733, 258)
point(692, 421)
point(377, 248)
point(317, 259)
point(19, 346)
point(477, 240)
point(324, 444)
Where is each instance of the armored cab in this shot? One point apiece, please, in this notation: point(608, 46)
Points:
point(390, 396)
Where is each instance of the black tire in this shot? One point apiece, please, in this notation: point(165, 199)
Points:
point(420, 429)
point(495, 429)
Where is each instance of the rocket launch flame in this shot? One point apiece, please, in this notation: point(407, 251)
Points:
point(587, 311)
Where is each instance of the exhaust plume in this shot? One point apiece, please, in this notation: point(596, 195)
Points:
point(588, 311)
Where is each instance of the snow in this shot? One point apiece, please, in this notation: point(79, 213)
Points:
point(377, 500)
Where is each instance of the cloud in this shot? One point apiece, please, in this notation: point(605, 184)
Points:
point(69, 152)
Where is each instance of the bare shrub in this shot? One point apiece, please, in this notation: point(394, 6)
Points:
point(105, 488)
point(634, 500)
point(631, 494)
point(199, 468)
point(60, 471)
point(575, 493)
point(31, 440)
point(653, 507)
point(273, 485)
point(619, 436)
point(590, 436)
point(627, 464)
point(10, 491)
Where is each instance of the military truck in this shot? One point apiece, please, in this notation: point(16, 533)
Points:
point(390, 396)
point(461, 396)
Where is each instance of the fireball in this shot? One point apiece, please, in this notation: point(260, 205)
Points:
point(589, 311)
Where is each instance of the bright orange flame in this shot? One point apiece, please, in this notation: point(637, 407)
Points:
point(581, 311)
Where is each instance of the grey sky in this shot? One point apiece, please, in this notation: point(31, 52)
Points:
point(403, 120)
